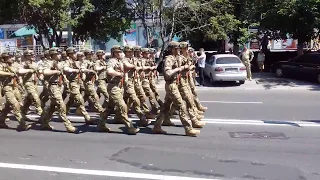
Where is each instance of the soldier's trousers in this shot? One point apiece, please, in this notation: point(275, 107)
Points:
point(141, 96)
point(195, 95)
point(77, 99)
point(44, 95)
point(116, 102)
point(92, 97)
point(19, 95)
point(130, 94)
point(56, 103)
point(11, 104)
point(102, 88)
point(66, 91)
point(187, 97)
point(32, 97)
point(154, 89)
point(149, 93)
point(248, 68)
point(173, 96)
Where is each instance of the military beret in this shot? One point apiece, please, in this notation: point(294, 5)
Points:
point(28, 53)
point(145, 50)
point(137, 48)
point(100, 52)
point(183, 45)
point(152, 50)
point(116, 48)
point(173, 44)
point(127, 48)
point(71, 50)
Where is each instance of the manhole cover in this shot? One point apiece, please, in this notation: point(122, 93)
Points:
point(257, 135)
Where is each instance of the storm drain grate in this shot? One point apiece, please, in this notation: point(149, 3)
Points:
point(258, 135)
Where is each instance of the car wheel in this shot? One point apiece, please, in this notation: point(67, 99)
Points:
point(242, 82)
point(211, 79)
point(279, 72)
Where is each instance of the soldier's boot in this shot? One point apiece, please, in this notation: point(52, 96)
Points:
point(46, 127)
point(7, 119)
point(71, 129)
point(157, 130)
point(144, 122)
point(133, 131)
point(117, 120)
point(203, 108)
point(3, 125)
point(149, 115)
point(192, 132)
point(167, 123)
point(198, 124)
point(23, 127)
point(103, 128)
point(199, 112)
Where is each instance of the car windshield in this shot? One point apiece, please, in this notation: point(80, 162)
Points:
point(228, 60)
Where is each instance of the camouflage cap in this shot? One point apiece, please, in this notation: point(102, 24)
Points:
point(41, 55)
point(190, 49)
point(145, 50)
point(5, 54)
point(46, 52)
point(53, 51)
point(70, 50)
point(116, 48)
point(28, 53)
point(137, 48)
point(88, 52)
point(80, 54)
point(173, 44)
point(152, 50)
point(127, 48)
point(100, 52)
point(183, 45)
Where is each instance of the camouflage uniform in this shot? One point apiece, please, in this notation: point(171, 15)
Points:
point(20, 91)
point(171, 70)
point(52, 74)
point(44, 95)
point(8, 72)
point(152, 81)
point(102, 77)
point(30, 81)
point(145, 80)
point(129, 90)
point(66, 88)
point(114, 87)
point(91, 94)
point(72, 71)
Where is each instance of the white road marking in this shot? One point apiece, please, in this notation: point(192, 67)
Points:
point(232, 102)
point(225, 121)
point(96, 172)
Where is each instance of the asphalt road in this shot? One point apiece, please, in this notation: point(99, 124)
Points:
point(250, 135)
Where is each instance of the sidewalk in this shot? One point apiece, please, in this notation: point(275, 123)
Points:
point(261, 81)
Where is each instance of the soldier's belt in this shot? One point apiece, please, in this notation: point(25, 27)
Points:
point(53, 83)
point(171, 81)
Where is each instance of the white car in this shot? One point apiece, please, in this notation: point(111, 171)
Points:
point(225, 67)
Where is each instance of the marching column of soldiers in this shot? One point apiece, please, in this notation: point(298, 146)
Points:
point(126, 84)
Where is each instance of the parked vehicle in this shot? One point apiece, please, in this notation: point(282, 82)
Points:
point(225, 67)
point(306, 66)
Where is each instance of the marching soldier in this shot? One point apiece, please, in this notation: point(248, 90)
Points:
point(19, 91)
point(171, 71)
point(145, 78)
point(52, 74)
point(30, 81)
point(66, 89)
point(100, 67)
point(115, 75)
point(73, 72)
point(9, 74)
point(129, 91)
point(154, 73)
point(44, 95)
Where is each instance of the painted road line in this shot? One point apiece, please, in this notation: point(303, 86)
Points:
point(224, 121)
point(96, 172)
point(232, 102)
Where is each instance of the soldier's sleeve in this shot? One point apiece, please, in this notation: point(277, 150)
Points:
point(96, 65)
point(168, 62)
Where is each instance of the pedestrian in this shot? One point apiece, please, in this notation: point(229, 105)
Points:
point(260, 60)
point(246, 57)
point(202, 65)
point(157, 55)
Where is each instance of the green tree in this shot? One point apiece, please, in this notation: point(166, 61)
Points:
point(9, 11)
point(299, 19)
point(107, 20)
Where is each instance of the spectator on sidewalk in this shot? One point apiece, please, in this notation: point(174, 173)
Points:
point(202, 65)
point(157, 55)
point(246, 57)
point(260, 60)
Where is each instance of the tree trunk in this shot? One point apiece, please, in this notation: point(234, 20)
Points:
point(40, 39)
point(300, 47)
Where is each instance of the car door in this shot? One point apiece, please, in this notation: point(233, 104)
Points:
point(294, 66)
point(310, 67)
point(209, 66)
